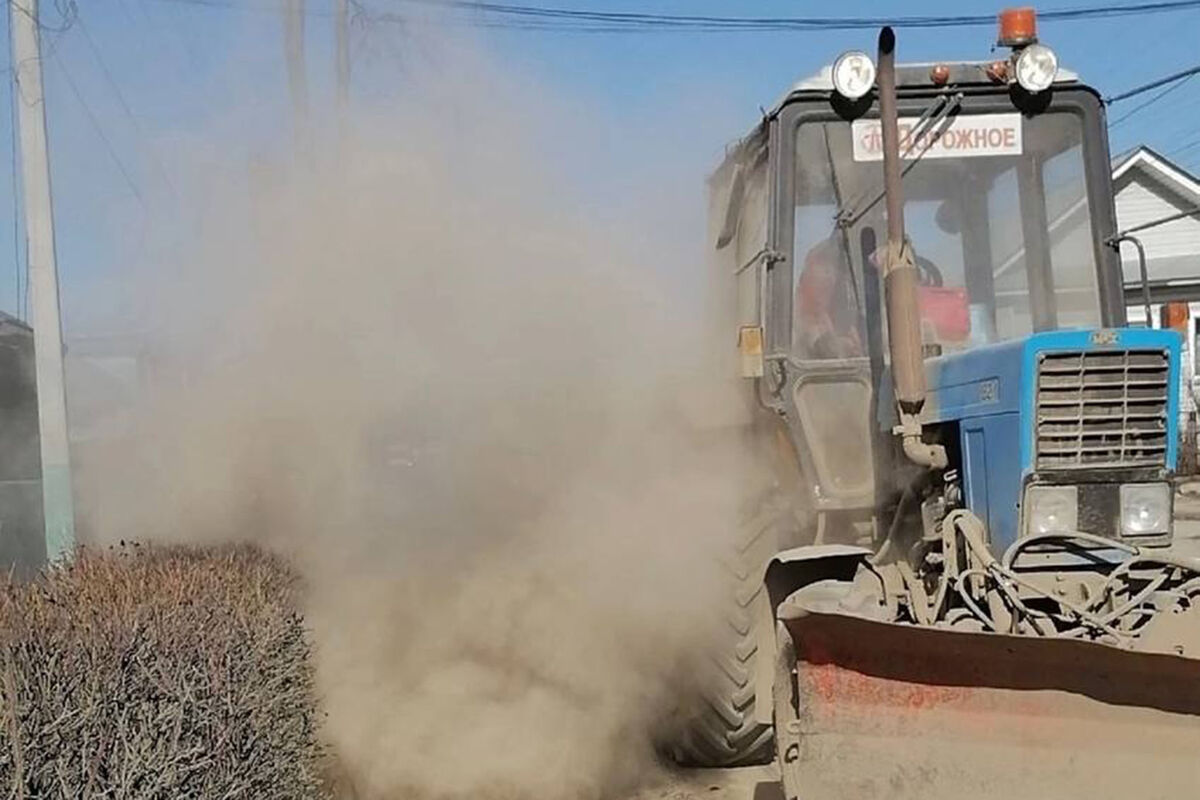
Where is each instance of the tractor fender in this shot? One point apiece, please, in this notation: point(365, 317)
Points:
point(786, 572)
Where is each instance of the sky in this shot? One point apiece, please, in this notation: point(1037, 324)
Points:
point(131, 83)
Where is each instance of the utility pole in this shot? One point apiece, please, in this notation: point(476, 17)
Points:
point(293, 47)
point(58, 506)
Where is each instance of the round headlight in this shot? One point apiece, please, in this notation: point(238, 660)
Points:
point(853, 74)
point(1037, 67)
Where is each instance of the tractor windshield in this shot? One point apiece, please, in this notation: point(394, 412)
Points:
point(996, 210)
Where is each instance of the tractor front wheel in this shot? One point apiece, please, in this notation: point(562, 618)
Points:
point(723, 728)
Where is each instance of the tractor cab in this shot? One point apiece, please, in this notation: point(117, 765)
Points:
point(1008, 210)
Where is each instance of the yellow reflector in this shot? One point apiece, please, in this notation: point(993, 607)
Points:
point(750, 345)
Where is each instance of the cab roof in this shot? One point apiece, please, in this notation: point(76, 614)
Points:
point(914, 75)
point(908, 76)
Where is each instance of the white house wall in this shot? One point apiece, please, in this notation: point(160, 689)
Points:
point(1169, 246)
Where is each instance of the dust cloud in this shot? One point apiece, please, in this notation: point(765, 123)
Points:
point(493, 425)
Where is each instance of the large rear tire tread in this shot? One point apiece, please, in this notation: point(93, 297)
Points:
point(723, 731)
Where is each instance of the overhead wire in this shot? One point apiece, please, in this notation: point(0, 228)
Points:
point(1151, 101)
point(539, 18)
point(116, 89)
point(1185, 147)
point(1154, 84)
point(1167, 124)
point(66, 9)
point(723, 23)
point(95, 122)
point(555, 19)
point(1181, 127)
point(1177, 119)
point(251, 7)
point(176, 33)
point(545, 18)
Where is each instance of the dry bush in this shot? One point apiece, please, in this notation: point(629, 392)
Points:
point(157, 673)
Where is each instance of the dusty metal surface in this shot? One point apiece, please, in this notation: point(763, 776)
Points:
point(889, 711)
point(899, 270)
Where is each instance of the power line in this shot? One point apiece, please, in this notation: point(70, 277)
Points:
point(251, 7)
point(1151, 101)
point(1184, 147)
point(1178, 76)
point(548, 18)
point(1169, 123)
point(100, 131)
point(189, 49)
point(581, 19)
point(65, 8)
point(91, 43)
point(108, 77)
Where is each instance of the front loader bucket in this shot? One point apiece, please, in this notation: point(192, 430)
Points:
point(885, 710)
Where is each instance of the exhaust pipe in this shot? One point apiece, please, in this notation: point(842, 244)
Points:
point(900, 277)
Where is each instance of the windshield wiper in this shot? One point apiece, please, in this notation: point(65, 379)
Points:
point(937, 114)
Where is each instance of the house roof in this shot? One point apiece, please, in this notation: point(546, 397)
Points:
point(1158, 168)
point(1173, 274)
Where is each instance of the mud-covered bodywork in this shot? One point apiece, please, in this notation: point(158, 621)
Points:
point(888, 711)
point(872, 703)
point(1090, 409)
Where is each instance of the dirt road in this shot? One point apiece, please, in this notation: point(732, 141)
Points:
point(748, 783)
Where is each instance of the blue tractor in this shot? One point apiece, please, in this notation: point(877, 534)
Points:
point(974, 588)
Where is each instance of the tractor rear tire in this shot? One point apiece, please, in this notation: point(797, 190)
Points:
point(722, 729)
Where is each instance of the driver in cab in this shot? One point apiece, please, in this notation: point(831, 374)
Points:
point(827, 320)
point(826, 312)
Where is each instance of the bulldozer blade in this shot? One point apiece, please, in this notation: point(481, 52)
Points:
point(885, 710)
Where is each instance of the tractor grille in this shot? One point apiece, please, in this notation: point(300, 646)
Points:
point(1102, 408)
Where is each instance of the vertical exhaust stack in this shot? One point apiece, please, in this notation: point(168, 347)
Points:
point(900, 277)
